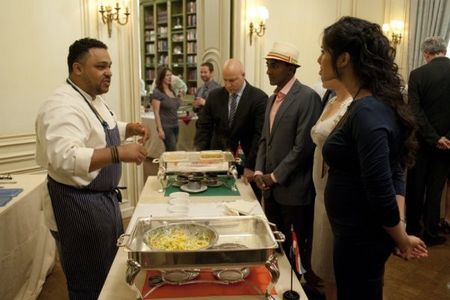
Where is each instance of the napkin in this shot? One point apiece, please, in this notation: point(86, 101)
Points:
point(241, 206)
point(10, 192)
point(4, 200)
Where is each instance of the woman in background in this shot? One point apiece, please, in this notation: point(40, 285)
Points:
point(366, 154)
point(322, 253)
point(165, 105)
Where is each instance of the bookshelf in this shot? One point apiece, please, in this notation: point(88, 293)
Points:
point(169, 36)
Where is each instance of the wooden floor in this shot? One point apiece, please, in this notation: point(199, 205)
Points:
point(427, 279)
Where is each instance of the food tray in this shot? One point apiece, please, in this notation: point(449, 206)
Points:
point(203, 161)
point(251, 232)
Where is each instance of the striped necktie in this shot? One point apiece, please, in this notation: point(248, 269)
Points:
point(233, 106)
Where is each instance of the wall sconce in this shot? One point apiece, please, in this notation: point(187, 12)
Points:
point(258, 15)
point(396, 29)
point(108, 16)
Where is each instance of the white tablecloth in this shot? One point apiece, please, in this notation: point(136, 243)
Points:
point(155, 145)
point(27, 250)
point(153, 203)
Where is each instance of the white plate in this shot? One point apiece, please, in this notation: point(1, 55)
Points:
point(185, 188)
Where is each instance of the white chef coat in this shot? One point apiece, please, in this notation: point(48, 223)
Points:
point(67, 132)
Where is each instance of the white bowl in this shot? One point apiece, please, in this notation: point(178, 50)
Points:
point(179, 201)
point(179, 195)
point(178, 209)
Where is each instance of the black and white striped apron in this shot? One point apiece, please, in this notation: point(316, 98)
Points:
point(89, 223)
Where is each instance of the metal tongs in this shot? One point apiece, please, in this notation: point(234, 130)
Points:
point(233, 171)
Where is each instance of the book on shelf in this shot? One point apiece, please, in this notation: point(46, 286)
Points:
point(191, 7)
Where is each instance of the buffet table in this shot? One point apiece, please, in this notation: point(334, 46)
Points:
point(27, 251)
point(155, 146)
point(153, 203)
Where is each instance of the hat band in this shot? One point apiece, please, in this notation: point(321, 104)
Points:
point(282, 57)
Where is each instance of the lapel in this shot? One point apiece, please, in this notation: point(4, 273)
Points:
point(222, 106)
point(288, 100)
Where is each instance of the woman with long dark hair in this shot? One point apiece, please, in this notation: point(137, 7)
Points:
point(165, 105)
point(367, 153)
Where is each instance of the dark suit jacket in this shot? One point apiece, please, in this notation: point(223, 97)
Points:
point(214, 133)
point(429, 97)
point(288, 150)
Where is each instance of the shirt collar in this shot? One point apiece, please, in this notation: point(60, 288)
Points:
point(86, 95)
point(239, 93)
point(286, 88)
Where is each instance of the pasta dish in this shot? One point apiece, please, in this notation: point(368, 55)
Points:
point(174, 239)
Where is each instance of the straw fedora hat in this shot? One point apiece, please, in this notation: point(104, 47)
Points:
point(284, 52)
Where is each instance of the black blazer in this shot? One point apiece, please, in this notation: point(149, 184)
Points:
point(429, 97)
point(214, 133)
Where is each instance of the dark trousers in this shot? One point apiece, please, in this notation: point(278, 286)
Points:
point(425, 183)
point(359, 268)
point(256, 191)
point(301, 217)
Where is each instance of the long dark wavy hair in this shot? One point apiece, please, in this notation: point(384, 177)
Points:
point(373, 64)
point(161, 73)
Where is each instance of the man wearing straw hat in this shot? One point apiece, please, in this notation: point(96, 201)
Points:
point(285, 155)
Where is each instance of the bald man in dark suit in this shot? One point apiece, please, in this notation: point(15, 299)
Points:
point(233, 115)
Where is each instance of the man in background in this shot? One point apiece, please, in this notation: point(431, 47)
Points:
point(207, 75)
point(285, 155)
point(233, 118)
point(429, 98)
point(78, 141)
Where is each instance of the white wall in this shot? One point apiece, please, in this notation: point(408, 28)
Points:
point(34, 50)
point(36, 36)
point(301, 22)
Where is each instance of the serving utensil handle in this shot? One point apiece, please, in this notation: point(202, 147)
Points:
point(132, 270)
point(279, 236)
point(121, 240)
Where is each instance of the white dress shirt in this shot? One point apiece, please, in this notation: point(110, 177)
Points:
point(67, 132)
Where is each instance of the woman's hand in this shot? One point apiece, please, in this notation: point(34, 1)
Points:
point(412, 248)
point(161, 134)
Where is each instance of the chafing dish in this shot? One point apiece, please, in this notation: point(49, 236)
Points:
point(196, 161)
point(257, 241)
point(178, 235)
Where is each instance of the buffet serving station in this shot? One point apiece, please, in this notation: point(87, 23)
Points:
point(238, 244)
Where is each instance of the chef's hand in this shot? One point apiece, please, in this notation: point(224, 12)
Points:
point(132, 153)
point(134, 129)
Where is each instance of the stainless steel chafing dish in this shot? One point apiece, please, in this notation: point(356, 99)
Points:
point(257, 245)
point(181, 162)
point(191, 161)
